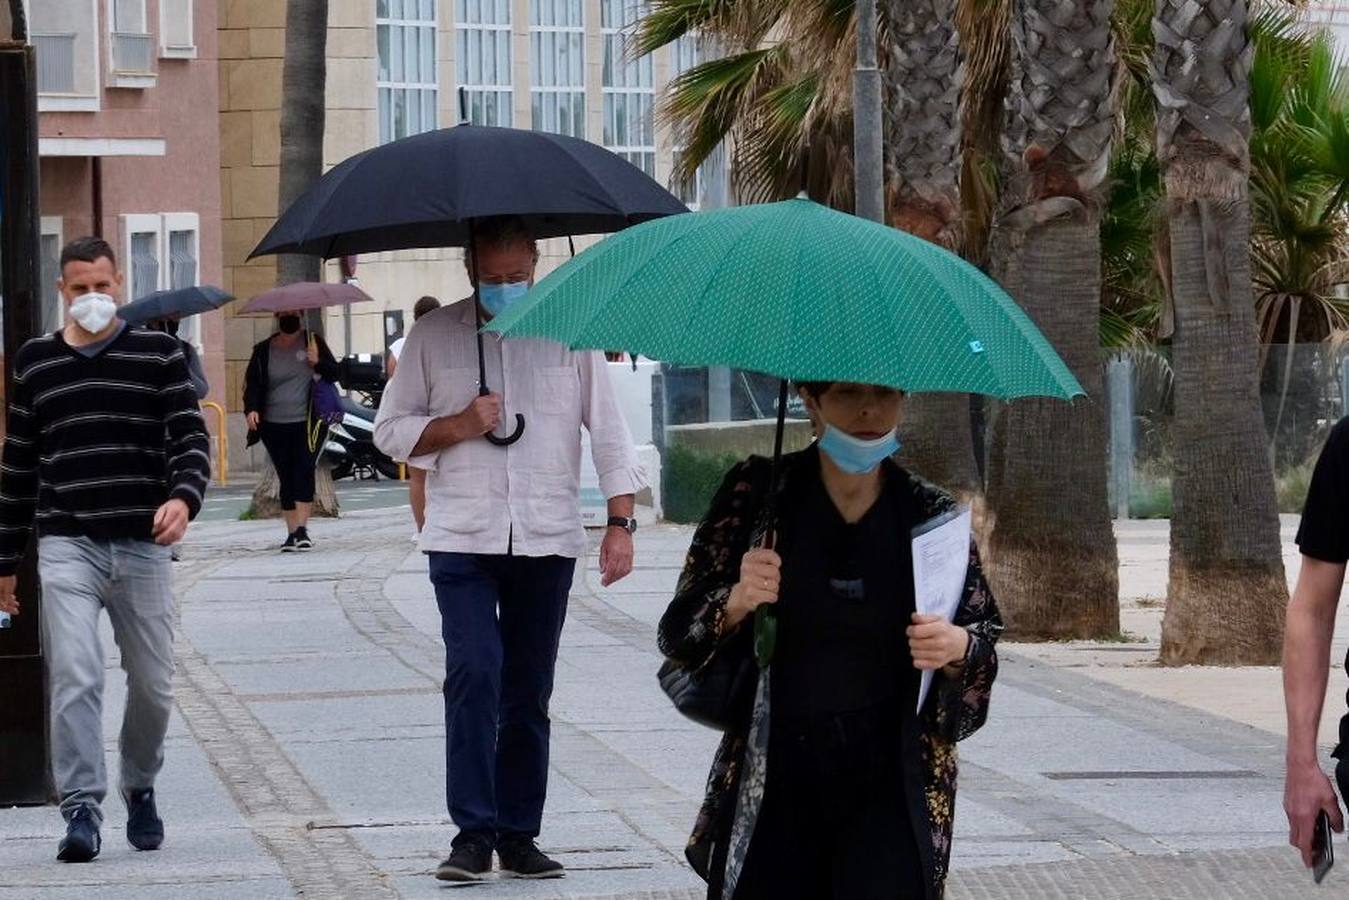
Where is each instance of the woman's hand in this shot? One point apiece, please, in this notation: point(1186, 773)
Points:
point(935, 642)
point(312, 354)
point(760, 580)
point(254, 420)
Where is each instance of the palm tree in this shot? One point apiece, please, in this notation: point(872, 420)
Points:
point(1050, 545)
point(1227, 593)
point(303, 78)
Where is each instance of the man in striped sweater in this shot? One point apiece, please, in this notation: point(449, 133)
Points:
point(107, 454)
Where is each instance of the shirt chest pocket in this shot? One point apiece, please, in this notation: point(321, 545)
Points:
point(557, 391)
point(453, 390)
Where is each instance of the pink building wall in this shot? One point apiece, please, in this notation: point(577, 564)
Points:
point(182, 110)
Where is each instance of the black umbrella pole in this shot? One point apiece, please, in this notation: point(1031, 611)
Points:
point(483, 390)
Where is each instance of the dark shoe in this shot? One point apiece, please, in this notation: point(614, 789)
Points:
point(289, 546)
point(471, 860)
point(144, 828)
point(521, 858)
point(302, 541)
point(81, 843)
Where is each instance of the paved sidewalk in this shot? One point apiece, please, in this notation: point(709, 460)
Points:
point(306, 757)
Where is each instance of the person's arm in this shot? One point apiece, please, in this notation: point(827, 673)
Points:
point(1306, 666)
point(255, 391)
point(189, 451)
point(18, 488)
point(958, 703)
point(195, 371)
point(615, 459)
point(404, 426)
point(699, 618)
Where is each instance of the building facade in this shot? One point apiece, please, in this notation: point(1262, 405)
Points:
point(395, 68)
point(129, 142)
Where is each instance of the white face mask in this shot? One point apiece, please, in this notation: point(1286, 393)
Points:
point(93, 312)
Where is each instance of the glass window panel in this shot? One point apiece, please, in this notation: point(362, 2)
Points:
point(382, 39)
point(489, 60)
point(461, 57)
point(577, 59)
point(414, 108)
point(396, 68)
point(475, 57)
point(461, 11)
point(411, 54)
point(395, 9)
point(385, 134)
point(550, 59)
point(503, 12)
point(428, 36)
point(381, 9)
point(428, 10)
point(504, 54)
point(182, 259)
point(430, 115)
point(535, 57)
point(536, 111)
point(400, 114)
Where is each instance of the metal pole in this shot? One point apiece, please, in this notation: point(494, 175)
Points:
point(868, 168)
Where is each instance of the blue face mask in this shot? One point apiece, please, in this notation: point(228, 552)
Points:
point(856, 456)
point(497, 298)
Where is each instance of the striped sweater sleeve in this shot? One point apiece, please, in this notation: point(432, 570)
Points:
point(18, 477)
point(188, 446)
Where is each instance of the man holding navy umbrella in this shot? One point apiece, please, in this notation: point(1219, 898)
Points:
point(503, 532)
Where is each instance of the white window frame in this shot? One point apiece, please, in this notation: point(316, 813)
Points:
point(81, 102)
point(141, 223)
point(539, 91)
point(504, 88)
point(190, 329)
point(132, 80)
point(173, 51)
point(637, 81)
point(427, 87)
point(53, 226)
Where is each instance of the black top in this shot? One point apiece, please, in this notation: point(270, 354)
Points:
point(95, 445)
point(846, 600)
point(1324, 531)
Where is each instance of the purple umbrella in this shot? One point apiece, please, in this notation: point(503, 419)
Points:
point(305, 295)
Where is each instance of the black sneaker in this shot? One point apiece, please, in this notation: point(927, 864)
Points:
point(81, 843)
point(290, 545)
point(144, 828)
point(302, 541)
point(470, 860)
point(521, 858)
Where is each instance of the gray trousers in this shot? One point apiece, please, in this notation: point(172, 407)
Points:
point(133, 580)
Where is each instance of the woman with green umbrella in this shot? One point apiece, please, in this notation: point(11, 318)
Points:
point(794, 625)
point(851, 793)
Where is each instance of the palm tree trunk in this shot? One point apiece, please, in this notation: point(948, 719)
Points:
point(1227, 594)
point(1052, 559)
point(303, 80)
point(923, 140)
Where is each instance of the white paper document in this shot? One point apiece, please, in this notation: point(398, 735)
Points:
point(941, 556)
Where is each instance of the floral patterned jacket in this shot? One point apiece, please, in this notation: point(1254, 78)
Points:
point(694, 628)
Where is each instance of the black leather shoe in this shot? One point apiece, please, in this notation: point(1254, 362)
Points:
point(521, 858)
point(81, 843)
point(144, 828)
point(471, 859)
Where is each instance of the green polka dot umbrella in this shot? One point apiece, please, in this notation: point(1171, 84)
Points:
point(799, 291)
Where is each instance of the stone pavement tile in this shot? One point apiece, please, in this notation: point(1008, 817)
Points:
point(380, 715)
point(235, 631)
point(375, 780)
point(198, 888)
point(334, 672)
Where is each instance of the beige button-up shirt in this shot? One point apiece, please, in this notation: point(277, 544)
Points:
point(524, 498)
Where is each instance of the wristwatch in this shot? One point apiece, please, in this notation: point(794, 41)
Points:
point(628, 525)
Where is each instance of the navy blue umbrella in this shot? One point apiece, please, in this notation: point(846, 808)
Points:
point(426, 190)
point(177, 303)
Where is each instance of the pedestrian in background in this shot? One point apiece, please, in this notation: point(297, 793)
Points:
point(1323, 538)
point(849, 792)
point(416, 476)
point(503, 531)
point(107, 455)
point(195, 370)
point(278, 406)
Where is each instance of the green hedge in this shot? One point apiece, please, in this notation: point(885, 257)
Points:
point(690, 481)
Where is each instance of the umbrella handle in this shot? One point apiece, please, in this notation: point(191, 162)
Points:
point(512, 437)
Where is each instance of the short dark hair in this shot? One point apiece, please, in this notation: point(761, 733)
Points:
point(424, 306)
point(816, 389)
point(87, 249)
point(503, 231)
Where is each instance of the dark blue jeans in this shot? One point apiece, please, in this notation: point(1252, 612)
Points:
point(501, 619)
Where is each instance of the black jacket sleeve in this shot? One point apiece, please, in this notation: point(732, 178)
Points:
point(255, 381)
point(327, 365)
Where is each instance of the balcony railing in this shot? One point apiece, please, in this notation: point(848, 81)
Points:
point(55, 63)
point(132, 54)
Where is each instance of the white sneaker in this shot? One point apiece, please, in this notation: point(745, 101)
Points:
point(416, 537)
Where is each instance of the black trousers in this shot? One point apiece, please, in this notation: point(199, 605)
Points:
point(287, 444)
point(834, 823)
